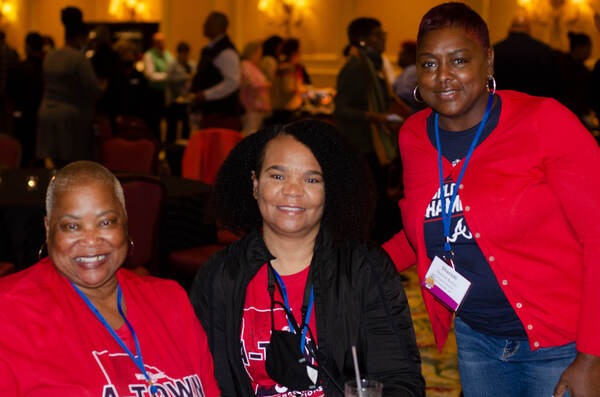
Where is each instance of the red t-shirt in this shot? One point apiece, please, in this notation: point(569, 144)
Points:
point(52, 345)
point(256, 330)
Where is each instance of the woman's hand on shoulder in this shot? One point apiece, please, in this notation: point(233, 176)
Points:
point(581, 378)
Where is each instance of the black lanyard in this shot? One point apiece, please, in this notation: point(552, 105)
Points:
point(307, 303)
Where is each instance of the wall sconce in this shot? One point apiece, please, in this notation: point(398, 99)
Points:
point(550, 20)
point(128, 9)
point(288, 12)
point(556, 12)
point(8, 11)
point(546, 6)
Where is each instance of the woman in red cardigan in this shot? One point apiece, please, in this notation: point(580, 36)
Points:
point(513, 248)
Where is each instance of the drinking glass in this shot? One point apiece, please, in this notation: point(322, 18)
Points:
point(369, 388)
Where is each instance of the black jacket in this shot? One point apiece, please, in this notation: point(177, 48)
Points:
point(522, 63)
point(349, 282)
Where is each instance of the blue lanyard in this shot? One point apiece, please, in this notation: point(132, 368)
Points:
point(139, 361)
point(287, 306)
point(447, 213)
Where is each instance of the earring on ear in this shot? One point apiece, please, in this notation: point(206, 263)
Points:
point(41, 250)
point(131, 246)
point(492, 80)
point(416, 95)
point(362, 43)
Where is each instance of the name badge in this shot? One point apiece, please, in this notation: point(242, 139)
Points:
point(446, 284)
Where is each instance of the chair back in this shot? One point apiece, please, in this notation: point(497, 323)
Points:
point(10, 152)
point(205, 152)
point(131, 127)
point(103, 128)
point(6, 268)
point(144, 196)
point(120, 154)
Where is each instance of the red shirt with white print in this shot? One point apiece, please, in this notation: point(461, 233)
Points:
point(52, 344)
point(256, 330)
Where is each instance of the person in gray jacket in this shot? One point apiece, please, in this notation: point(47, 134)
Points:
point(65, 129)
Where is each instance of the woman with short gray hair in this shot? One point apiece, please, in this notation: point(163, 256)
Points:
point(76, 323)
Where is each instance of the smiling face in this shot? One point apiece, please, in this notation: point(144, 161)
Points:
point(290, 189)
point(87, 235)
point(453, 72)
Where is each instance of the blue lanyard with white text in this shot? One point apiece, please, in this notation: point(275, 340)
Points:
point(139, 361)
point(447, 214)
point(287, 306)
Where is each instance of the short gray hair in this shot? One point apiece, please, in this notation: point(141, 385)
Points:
point(79, 173)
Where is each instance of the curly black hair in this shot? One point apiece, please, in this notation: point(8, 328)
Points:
point(349, 192)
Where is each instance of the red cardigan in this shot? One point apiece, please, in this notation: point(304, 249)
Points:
point(531, 197)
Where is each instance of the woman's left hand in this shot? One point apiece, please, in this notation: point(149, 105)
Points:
point(582, 377)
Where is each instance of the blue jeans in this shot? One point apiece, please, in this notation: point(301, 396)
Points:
point(499, 367)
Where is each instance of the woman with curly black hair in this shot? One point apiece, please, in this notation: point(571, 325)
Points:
point(283, 305)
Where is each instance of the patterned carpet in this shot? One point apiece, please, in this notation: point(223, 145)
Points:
point(440, 370)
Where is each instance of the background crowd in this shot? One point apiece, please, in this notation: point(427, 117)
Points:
point(107, 82)
point(96, 84)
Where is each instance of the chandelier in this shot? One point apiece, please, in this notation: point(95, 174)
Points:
point(288, 13)
point(8, 11)
point(128, 9)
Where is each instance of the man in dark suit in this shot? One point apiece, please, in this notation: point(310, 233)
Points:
point(522, 63)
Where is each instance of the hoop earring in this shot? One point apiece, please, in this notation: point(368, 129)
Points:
point(41, 251)
point(131, 246)
point(415, 95)
point(493, 80)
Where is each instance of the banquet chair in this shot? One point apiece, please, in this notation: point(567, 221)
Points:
point(103, 128)
point(120, 154)
point(185, 263)
point(131, 127)
point(10, 152)
point(205, 152)
point(144, 197)
point(6, 268)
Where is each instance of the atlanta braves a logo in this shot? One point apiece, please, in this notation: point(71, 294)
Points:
point(460, 229)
